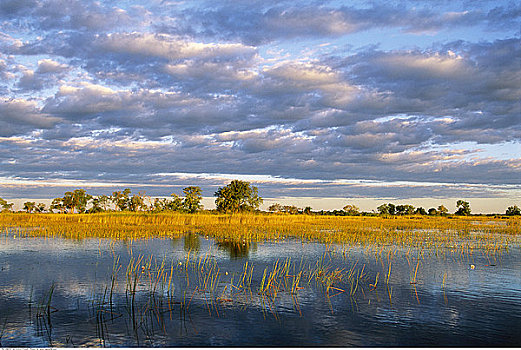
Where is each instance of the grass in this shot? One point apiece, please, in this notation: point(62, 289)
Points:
point(455, 236)
point(411, 231)
point(362, 260)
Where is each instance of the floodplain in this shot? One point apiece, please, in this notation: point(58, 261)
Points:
point(172, 279)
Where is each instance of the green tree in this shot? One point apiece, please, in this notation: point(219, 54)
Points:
point(236, 197)
point(307, 210)
point(96, 206)
point(76, 201)
point(121, 199)
point(103, 201)
point(387, 209)
point(404, 209)
point(513, 210)
point(29, 206)
point(40, 207)
point(276, 208)
point(176, 203)
point(442, 210)
point(351, 209)
point(5, 207)
point(57, 204)
point(463, 208)
point(383, 209)
point(159, 204)
point(433, 211)
point(291, 209)
point(136, 202)
point(420, 211)
point(192, 200)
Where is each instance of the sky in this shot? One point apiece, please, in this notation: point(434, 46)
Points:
point(322, 102)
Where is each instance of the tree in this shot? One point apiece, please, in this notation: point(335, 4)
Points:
point(81, 199)
point(57, 204)
point(351, 209)
point(433, 211)
point(442, 210)
point(404, 209)
point(29, 206)
point(121, 199)
point(420, 211)
point(40, 207)
point(77, 200)
point(387, 209)
point(96, 206)
point(383, 209)
point(159, 204)
point(307, 211)
point(103, 202)
point(176, 204)
point(5, 206)
point(291, 209)
point(192, 200)
point(463, 208)
point(136, 202)
point(276, 208)
point(513, 210)
point(236, 197)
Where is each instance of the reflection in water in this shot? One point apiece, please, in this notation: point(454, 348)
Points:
point(100, 293)
point(192, 242)
point(237, 250)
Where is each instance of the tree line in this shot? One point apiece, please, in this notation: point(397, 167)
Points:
point(387, 209)
point(237, 196)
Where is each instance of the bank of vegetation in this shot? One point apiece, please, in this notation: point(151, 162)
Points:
point(238, 196)
point(238, 219)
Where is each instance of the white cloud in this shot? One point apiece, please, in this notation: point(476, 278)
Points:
point(168, 46)
point(24, 113)
point(449, 66)
point(268, 88)
point(50, 66)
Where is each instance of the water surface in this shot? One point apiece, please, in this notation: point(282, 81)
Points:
point(55, 292)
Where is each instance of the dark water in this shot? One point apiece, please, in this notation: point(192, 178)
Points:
point(55, 292)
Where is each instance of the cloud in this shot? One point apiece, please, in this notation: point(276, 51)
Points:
point(301, 117)
point(261, 23)
point(18, 116)
point(64, 14)
point(87, 101)
point(94, 91)
point(476, 92)
point(167, 46)
point(11, 8)
point(46, 75)
point(50, 66)
point(425, 66)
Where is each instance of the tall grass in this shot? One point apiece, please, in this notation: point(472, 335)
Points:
point(413, 231)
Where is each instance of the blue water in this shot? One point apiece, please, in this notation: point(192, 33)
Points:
point(457, 300)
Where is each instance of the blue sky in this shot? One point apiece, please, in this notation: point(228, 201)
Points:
point(351, 101)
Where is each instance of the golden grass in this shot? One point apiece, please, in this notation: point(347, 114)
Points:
point(416, 231)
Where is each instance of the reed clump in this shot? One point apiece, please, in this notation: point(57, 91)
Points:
point(415, 231)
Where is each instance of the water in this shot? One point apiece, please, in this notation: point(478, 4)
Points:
point(457, 300)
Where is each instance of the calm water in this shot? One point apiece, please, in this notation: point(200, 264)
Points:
point(55, 292)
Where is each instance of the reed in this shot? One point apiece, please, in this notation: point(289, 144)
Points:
point(156, 287)
point(462, 233)
point(2, 331)
point(413, 280)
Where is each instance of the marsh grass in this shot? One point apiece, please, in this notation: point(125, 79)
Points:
point(156, 289)
point(453, 238)
point(462, 234)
